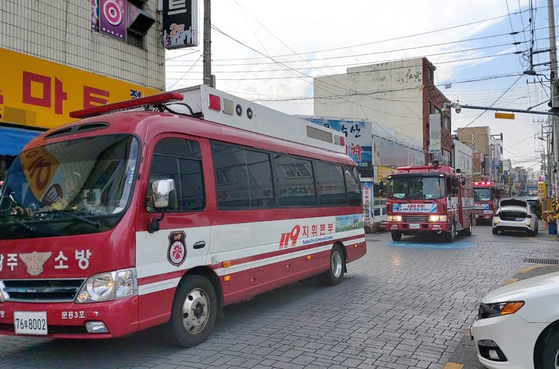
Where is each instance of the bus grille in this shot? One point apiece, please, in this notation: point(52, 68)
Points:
point(416, 218)
point(41, 290)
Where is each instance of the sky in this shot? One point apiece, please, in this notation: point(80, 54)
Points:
point(268, 52)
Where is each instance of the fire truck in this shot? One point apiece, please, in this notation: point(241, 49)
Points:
point(486, 197)
point(161, 210)
point(430, 199)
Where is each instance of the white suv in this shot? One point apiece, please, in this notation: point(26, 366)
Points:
point(515, 215)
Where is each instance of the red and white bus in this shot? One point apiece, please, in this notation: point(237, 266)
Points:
point(162, 215)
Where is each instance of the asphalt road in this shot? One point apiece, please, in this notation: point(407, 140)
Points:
point(404, 305)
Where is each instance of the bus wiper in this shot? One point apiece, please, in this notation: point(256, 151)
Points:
point(18, 222)
point(75, 216)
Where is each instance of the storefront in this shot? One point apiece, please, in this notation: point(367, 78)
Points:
point(37, 95)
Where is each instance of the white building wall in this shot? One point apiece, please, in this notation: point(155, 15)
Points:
point(60, 31)
point(390, 93)
point(463, 157)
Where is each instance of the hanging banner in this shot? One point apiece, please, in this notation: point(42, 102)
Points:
point(367, 190)
point(180, 23)
point(95, 15)
point(112, 18)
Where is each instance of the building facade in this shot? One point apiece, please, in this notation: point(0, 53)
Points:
point(490, 149)
point(400, 95)
point(59, 56)
point(463, 158)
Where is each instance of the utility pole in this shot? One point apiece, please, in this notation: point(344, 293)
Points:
point(207, 61)
point(553, 85)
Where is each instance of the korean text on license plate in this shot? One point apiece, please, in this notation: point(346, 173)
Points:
point(414, 226)
point(31, 322)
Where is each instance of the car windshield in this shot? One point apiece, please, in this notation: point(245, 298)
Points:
point(409, 187)
point(68, 182)
point(482, 194)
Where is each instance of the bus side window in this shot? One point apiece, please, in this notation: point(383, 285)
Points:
point(180, 160)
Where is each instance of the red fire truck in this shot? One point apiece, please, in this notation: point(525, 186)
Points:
point(430, 199)
point(486, 197)
point(164, 213)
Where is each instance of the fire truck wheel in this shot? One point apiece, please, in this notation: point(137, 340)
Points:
point(335, 273)
point(449, 237)
point(396, 236)
point(194, 312)
point(468, 231)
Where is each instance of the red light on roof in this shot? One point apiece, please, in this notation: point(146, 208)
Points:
point(475, 183)
point(129, 104)
point(215, 102)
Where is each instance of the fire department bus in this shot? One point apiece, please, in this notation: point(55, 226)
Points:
point(164, 213)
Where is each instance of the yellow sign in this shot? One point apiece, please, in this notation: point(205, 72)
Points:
point(383, 172)
point(504, 116)
point(40, 93)
point(542, 193)
point(39, 167)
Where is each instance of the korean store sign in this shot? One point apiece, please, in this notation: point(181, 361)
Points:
point(358, 137)
point(180, 23)
point(40, 93)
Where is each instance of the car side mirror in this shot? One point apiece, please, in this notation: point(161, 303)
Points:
point(160, 192)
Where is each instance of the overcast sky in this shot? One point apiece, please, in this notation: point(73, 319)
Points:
point(318, 37)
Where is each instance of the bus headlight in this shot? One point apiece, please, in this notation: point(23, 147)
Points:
point(438, 218)
point(108, 286)
point(394, 218)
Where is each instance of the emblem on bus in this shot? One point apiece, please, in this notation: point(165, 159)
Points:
point(176, 254)
point(35, 261)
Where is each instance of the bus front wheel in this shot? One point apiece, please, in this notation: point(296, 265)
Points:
point(193, 313)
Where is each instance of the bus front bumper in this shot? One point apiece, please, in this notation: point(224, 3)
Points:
point(69, 320)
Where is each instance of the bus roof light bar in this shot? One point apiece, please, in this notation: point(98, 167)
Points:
point(128, 104)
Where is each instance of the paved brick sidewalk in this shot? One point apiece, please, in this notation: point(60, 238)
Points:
point(398, 307)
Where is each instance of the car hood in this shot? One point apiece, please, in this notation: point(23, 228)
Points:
point(529, 288)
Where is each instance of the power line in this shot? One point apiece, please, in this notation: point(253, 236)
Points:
point(504, 93)
point(389, 39)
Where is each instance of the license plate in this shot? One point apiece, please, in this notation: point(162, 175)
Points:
point(31, 322)
point(414, 226)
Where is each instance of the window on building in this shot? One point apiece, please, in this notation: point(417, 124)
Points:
point(429, 107)
point(180, 160)
point(243, 177)
point(330, 184)
point(447, 123)
point(429, 74)
point(295, 181)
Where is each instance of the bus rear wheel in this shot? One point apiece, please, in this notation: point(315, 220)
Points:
point(193, 313)
point(335, 273)
point(396, 236)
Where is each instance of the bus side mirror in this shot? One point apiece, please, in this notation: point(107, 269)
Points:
point(160, 192)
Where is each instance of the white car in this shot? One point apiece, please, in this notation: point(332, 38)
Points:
point(515, 215)
point(517, 326)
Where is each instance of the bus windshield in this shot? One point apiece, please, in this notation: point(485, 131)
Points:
point(416, 188)
point(482, 194)
point(51, 188)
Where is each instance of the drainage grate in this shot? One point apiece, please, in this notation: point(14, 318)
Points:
point(541, 261)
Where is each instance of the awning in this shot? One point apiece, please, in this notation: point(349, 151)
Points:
point(13, 140)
